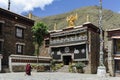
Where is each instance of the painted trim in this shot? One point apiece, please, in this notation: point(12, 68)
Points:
point(117, 58)
point(2, 40)
point(20, 43)
point(21, 26)
point(17, 64)
point(1, 21)
point(70, 44)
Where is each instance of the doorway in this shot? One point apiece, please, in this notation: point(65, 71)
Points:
point(67, 59)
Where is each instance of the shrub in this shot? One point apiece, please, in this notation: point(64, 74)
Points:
point(79, 65)
point(70, 68)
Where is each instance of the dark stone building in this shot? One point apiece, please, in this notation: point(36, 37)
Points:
point(113, 44)
point(76, 44)
point(15, 35)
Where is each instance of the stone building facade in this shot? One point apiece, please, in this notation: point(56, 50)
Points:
point(76, 44)
point(15, 35)
point(114, 51)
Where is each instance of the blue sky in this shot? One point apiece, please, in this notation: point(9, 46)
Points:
point(44, 8)
point(62, 6)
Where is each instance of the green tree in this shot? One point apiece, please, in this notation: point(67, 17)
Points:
point(39, 31)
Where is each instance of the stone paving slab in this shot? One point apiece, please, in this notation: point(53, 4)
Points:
point(53, 76)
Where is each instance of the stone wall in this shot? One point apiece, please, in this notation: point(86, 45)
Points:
point(95, 48)
point(93, 52)
point(44, 51)
point(9, 30)
point(110, 58)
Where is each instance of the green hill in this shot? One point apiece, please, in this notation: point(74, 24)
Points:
point(110, 18)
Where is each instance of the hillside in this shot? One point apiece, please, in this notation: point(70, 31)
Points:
point(110, 19)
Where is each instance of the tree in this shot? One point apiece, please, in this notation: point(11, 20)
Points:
point(39, 31)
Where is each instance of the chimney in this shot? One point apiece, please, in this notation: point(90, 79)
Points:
point(30, 15)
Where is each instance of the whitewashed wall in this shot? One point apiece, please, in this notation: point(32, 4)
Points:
point(1, 62)
point(25, 57)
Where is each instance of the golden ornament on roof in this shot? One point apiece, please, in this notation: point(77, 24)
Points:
point(71, 20)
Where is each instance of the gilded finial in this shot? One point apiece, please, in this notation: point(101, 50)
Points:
point(71, 20)
point(88, 18)
point(55, 26)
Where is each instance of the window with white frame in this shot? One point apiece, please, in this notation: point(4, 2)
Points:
point(19, 49)
point(19, 32)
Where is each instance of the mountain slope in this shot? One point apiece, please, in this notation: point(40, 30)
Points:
point(110, 19)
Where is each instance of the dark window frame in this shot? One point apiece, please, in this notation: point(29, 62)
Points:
point(22, 37)
point(17, 52)
point(1, 28)
point(1, 47)
point(116, 51)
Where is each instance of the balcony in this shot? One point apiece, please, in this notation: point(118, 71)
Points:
point(68, 40)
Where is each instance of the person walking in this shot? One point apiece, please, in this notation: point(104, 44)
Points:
point(28, 69)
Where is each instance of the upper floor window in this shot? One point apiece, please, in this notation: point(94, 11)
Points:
point(47, 43)
point(117, 46)
point(1, 47)
point(19, 49)
point(19, 32)
point(1, 24)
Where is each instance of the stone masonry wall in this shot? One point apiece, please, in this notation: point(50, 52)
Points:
point(10, 40)
point(93, 52)
point(95, 48)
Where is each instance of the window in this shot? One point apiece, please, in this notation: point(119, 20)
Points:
point(1, 24)
point(19, 49)
point(19, 32)
point(117, 66)
point(117, 46)
point(46, 43)
point(1, 46)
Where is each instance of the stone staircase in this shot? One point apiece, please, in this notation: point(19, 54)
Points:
point(65, 68)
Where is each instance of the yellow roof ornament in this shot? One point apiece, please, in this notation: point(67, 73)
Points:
point(87, 18)
point(71, 20)
point(55, 26)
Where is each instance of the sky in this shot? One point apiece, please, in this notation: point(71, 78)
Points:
point(43, 8)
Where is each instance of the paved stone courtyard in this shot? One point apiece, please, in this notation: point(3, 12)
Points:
point(53, 76)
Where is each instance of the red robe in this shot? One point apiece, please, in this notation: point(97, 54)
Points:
point(28, 69)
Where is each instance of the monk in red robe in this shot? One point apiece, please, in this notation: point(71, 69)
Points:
point(28, 69)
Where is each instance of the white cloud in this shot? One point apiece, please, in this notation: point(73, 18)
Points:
point(20, 6)
point(119, 12)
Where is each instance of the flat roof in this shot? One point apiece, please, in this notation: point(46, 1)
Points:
point(15, 14)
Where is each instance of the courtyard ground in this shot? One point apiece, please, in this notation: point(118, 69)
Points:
point(53, 76)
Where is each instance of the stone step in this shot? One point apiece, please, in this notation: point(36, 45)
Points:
point(65, 68)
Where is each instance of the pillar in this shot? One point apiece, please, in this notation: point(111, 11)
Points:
point(110, 58)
